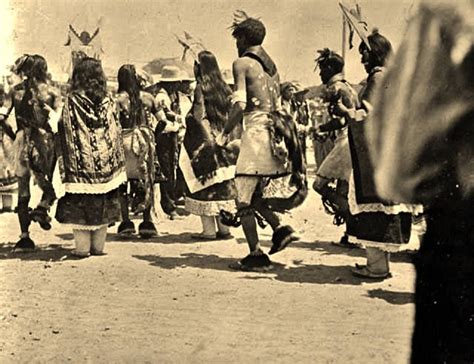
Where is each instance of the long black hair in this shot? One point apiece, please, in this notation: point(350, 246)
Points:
point(35, 68)
point(39, 69)
point(215, 90)
point(128, 82)
point(89, 76)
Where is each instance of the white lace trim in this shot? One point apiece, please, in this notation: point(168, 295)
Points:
point(194, 185)
point(208, 208)
point(84, 227)
point(96, 188)
point(386, 247)
point(356, 208)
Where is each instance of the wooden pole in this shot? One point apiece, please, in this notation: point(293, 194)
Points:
point(344, 37)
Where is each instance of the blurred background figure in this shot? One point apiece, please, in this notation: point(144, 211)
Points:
point(322, 142)
point(174, 102)
point(228, 78)
point(288, 90)
point(136, 114)
point(336, 168)
point(302, 117)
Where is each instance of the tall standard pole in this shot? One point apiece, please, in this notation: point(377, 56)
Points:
point(344, 37)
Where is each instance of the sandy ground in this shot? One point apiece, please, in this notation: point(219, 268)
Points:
point(173, 300)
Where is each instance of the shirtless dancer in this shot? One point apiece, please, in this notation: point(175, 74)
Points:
point(257, 95)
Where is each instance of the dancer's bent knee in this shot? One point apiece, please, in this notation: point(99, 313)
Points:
point(246, 187)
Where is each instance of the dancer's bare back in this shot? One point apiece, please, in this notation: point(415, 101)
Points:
point(262, 90)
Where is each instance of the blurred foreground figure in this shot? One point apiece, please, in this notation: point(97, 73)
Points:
point(422, 148)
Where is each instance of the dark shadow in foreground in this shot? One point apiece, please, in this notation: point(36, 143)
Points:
point(48, 253)
point(392, 297)
point(66, 236)
point(162, 238)
point(312, 273)
point(330, 248)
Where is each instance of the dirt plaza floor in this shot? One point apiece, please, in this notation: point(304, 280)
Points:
point(171, 299)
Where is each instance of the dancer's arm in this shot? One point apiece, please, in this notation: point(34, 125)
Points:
point(3, 123)
point(164, 115)
point(352, 115)
point(4, 114)
point(342, 109)
point(239, 100)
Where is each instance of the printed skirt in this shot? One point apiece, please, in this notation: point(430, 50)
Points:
point(89, 211)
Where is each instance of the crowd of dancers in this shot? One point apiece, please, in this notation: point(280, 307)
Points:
point(235, 155)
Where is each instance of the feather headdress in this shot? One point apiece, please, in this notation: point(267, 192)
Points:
point(324, 55)
point(239, 17)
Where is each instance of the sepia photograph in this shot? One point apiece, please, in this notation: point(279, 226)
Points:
point(237, 181)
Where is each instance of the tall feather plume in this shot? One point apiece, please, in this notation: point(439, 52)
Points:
point(193, 40)
point(239, 17)
point(190, 44)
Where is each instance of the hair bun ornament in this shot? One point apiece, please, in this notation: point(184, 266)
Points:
point(324, 54)
point(19, 63)
point(375, 31)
